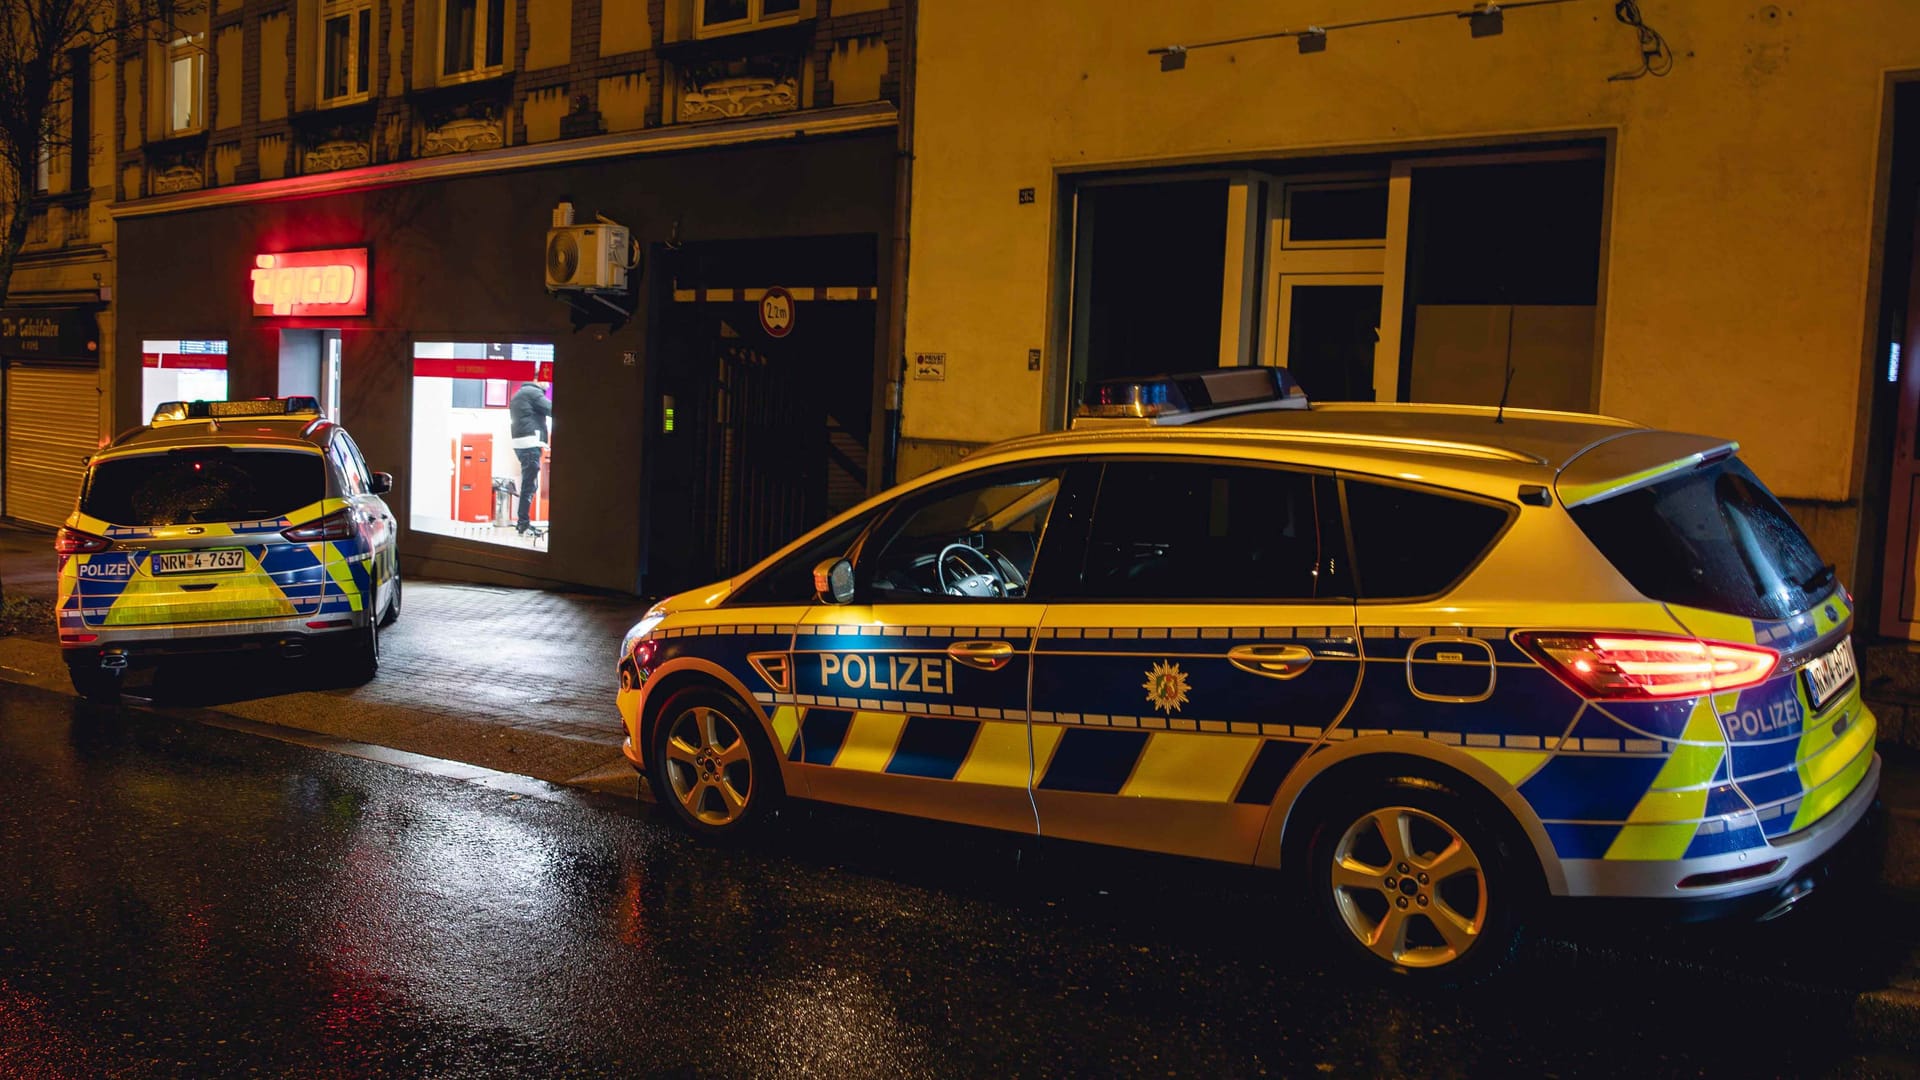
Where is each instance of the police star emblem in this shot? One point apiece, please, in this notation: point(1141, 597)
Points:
point(1166, 687)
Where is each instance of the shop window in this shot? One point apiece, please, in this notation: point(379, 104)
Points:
point(1149, 271)
point(1336, 213)
point(346, 62)
point(1503, 273)
point(186, 83)
point(181, 370)
point(483, 426)
point(727, 16)
point(473, 36)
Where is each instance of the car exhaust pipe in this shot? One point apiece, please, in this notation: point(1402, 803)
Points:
point(293, 649)
point(114, 661)
point(1788, 895)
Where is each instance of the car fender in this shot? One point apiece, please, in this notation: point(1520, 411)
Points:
point(682, 669)
point(1330, 754)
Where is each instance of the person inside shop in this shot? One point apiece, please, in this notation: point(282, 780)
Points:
point(531, 413)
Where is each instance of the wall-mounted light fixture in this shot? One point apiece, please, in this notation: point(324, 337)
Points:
point(1312, 40)
point(1485, 18)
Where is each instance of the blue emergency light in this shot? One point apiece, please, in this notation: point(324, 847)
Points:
point(1185, 398)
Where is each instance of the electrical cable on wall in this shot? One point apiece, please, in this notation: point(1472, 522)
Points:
point(1655, 58)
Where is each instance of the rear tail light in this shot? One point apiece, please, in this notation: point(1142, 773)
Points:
point(1643, 666)
point(335, 526)
point(75, 542)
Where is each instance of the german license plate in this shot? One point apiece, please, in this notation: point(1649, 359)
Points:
point(199, 562)
point(1828, 675)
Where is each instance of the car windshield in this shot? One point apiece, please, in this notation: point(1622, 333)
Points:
point(214, 485)
point(1713, 538)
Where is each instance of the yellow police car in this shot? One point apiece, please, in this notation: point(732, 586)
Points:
point(1432, 661)
point(226, 525)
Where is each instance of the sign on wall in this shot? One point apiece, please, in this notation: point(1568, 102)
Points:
point(777, 312)
point(52, 333)
point(330, 282)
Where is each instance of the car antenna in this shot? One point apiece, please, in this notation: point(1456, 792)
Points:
point(1506, 386)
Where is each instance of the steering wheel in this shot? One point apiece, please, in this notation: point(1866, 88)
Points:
point(972, 585)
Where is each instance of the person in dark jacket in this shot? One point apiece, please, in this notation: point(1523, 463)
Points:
point(530, 412)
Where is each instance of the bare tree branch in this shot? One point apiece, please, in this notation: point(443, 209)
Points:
point(39, 40)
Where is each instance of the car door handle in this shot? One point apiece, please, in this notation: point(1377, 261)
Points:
point(1273, 661)
point(985, 655)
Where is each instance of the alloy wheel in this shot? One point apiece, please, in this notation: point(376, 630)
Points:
point(709, 766)
point(1409, 887)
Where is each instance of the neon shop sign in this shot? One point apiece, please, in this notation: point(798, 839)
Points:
point(331, 282)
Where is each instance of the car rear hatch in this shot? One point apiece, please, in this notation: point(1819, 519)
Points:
point(1687, 523)
point(208, 534)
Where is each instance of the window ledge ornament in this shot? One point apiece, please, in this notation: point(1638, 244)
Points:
point(461, 136)
point(728, 90)
point(179, 176)
point(336, 154)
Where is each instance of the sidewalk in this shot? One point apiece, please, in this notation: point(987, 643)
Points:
point(516, 680)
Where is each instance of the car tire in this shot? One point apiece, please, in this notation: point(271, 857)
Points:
point(363, 651)
point(94, 683)
point(393, 609)
point(1417, 881)
point(712, 766)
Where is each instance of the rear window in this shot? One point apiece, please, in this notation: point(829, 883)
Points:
point(1712, 538)
point(1409, 543)
point(203, 486)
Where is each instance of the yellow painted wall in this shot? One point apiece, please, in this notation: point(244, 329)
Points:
point(226, 49)
point(549, 34)
point(623, 102)
point(273, 68)
point(272, 152)
point(856, 68)
point(396, 45)
point(623, 28)
point(136, 85)
point(1736, 278)
point(543, 111)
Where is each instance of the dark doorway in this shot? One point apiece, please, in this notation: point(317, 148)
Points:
point(757, 436)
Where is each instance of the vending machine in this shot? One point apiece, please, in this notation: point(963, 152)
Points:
point(473, 478)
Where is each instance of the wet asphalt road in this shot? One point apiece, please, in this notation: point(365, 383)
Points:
point(182, 900)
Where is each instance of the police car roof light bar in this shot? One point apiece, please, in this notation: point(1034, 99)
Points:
point(1199, 395)
point(184, 411)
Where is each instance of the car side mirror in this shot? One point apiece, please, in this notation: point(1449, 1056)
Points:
point(833, 581)
point(382, 483)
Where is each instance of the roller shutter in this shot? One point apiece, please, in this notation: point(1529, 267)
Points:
point(52, 418)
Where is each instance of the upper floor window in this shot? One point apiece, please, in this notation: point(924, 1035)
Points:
point(473, 35)
point(724, 16)
point(186, 83)
point(346, 63)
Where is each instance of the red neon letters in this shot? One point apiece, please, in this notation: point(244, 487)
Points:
point(311, 282)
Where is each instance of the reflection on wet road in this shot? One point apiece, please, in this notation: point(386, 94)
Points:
point(183, 900)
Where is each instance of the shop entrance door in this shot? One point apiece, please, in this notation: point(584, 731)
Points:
point(1900, 582)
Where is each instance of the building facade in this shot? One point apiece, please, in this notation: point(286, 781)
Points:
point(56, 322)
point(1700, 220)
point(675, 219)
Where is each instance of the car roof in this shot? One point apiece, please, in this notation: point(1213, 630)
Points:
point(306, 433)
point(1468, 446)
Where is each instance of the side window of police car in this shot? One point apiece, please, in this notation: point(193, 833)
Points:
point(1203, 530)
point(350, 482)
point(973, 538)
point(1410, 543)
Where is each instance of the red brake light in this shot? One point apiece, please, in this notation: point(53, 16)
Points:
point(1641, 666)
point(75, 542)
point(335, 526)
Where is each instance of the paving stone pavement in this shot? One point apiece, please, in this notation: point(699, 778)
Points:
point(520, 658)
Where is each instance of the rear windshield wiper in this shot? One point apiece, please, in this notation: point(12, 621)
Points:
point(1818, 578)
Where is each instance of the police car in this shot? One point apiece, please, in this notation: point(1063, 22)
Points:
point(1432, 661)
point(226, 525)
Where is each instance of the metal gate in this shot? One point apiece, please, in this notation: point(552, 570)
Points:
point(758, 450)
point(52, 425)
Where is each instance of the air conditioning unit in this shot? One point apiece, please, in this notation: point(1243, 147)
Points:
point(588, 257)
